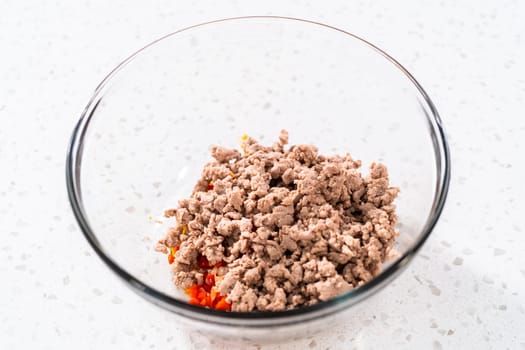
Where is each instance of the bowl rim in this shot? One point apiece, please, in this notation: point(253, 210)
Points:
point(259, 318)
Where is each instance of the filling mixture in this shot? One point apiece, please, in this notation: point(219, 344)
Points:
point(275, 228)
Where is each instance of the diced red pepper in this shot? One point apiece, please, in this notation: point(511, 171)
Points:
point(223, 305)
point(210, 186)
point(171, 255)
point(207, 287)
point(202, 294)
point(194, 301)
point(202, 262)
point(192, 291)
point(207, 295)
point(212, 299)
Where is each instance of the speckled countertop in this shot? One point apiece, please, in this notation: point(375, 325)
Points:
point(465, 290)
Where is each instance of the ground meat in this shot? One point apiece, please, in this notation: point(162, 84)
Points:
point(291, 227)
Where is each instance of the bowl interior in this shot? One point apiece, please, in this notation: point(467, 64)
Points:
point(150, 125)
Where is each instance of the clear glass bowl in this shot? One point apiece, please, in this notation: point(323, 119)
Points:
point(145, 134)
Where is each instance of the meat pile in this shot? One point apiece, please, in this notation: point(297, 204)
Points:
point(286, 227)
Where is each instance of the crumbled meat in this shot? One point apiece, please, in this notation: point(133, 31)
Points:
point(223, 155)
point(331, 287)
point(290, 226)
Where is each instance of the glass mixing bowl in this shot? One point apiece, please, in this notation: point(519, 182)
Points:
point(144, 137)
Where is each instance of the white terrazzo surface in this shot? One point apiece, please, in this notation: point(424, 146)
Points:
point(465, 290)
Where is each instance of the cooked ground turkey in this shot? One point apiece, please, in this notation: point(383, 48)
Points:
point(293, 227)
